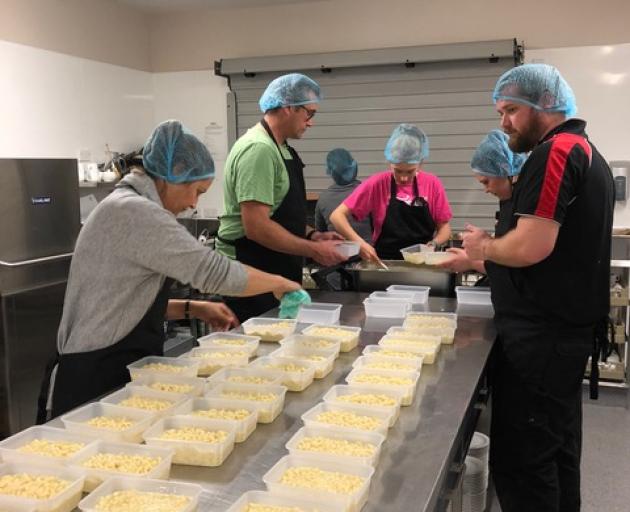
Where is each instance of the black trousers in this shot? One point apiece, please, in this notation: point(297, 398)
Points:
point(536, 429)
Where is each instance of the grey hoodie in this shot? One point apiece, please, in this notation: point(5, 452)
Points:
point(127, 247)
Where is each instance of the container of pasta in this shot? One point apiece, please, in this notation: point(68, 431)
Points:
point(348, 336)
point(196, 441)
point(401, 352)
point(386, 401)
point(438, 324)
point(126, 494)
point(213, 359)
point(424, 344)
point(243, 415)
point(159, 403)
point(382, 379)
point(296, 374)
point(163, 366)
point(331, 443)
point(230, 339)
point(37, 487)
point(108, 422)
point(322, 360)
point(105, 459)
point(349, 417)
point(269, 400)
point(269, 329)
point(375, 361)
point(43, 445)
point(255, 500)
point(247, 375)
point(328, 345)
point(337, 483)
point(185, 386)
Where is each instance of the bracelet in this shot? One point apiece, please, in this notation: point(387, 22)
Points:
point(187, 310)
point(310, 234)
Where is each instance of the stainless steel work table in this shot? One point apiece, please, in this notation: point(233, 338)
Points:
point(415, 469)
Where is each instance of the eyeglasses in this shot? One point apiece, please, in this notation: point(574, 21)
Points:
point(309, 112)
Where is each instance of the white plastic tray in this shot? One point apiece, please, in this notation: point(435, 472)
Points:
point(94, 477)
point(346, 334)
point(230, 339)
point(293, 380)
point(192, 491)
point(339, 390)
point(137, 368)
point(193, 453)
point(267, 411)
point(384, 418)
point(319, 313)
point(269, 329)
point(65, 501)
point(408, 389)
point(244, 427)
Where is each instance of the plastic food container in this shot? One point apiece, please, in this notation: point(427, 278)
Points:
point(435, 258)
point(327, 345)
point(348, 249)
point(420, 294)
point(246, 375)
point(269, 329)
point(243, 427)
point(378, 362)
point(416, 253)
point(384, 418)
point(322, 360)
point(476, 295)
point(213, 359)
point(271, 499)
point(422, 323)
point(409, 390)
point(426, 316)
point(193, 453)
point(268, 410)
point(386, 309)
point(148, 396)
point(399, 352)
point(163, 366)
point(10, 447)
point(190, 491)
point(184, 386)
point(65, 501)
point(338, 391)
point(347, 335)
point(427, 353)
point(94, 477)
point(76, 421)
point(230, 339)
point(297, 380)
point(350, 502)
point(372, 438)
point(319, 313)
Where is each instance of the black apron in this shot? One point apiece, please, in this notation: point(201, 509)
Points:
point(404, 225)
point(84, 376)
point(291, 215)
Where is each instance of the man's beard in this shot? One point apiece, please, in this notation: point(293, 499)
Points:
point(524, 142)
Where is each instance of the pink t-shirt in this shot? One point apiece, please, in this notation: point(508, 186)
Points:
point(372, 196)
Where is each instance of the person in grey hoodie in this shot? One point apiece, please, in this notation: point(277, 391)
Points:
point(342, 168)
point(127, 255)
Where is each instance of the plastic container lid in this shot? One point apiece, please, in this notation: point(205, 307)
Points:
point(191, 491)
point(244, 427)
point(237, 393)
point(94, 477)
point(65, 501)
point(162, 365)
point(10, 447)
point(271, 499)
point(319, 313)
point(346, 334)
point(230, 339)
point(269, 329)
point(294, 380)
point(193, 453)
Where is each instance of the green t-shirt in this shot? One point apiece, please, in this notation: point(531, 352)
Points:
point(254, 171)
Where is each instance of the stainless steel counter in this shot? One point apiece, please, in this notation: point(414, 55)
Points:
point(431, 434)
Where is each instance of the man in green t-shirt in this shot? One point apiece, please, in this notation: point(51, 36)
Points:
point(264, 222)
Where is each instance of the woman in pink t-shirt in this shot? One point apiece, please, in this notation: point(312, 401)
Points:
point(408, 205)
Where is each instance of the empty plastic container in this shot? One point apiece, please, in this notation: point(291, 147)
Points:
point(319, 313)
point(420, 294)
point(475, 295)
point(379, 308)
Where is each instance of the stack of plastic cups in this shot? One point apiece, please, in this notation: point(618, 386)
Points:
point(474, 496)
point(480, 449)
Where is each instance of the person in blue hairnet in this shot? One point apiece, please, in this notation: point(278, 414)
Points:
point(408, 205)
point(127, 255)
point(549, 269)
point(264, 219)
point(496, 167)
point(343, 169)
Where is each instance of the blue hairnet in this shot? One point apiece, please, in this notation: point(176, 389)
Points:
point(176, 155)
point(341, 166)
point(407, 145)
point(289, 90)
point(493, 157)
point(538, 85)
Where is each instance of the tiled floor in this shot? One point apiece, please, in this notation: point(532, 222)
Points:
point(605, 453)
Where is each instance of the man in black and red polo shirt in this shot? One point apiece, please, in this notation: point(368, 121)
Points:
point(549, 266)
